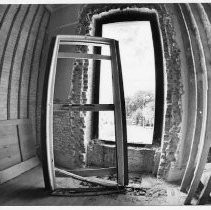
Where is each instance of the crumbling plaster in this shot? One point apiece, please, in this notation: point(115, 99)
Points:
point(69, 148)
point(172, 70)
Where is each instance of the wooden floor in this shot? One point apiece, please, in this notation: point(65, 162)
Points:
point(28, 190)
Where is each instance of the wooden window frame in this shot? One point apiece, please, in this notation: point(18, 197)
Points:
point(49, 169)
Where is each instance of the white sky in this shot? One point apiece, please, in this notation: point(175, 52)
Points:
point(137, 56)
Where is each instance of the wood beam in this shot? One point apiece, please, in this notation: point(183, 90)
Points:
point(93, 180)
point(83, 56)
point(86, 172)
point(18, 169)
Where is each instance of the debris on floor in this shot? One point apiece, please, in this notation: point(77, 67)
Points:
point(142, 189)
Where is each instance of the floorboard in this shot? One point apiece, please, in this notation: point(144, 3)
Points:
point(28, 190)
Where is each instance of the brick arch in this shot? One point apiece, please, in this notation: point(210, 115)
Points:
point(170, 138)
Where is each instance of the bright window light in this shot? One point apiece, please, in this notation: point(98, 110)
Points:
point(138, 69)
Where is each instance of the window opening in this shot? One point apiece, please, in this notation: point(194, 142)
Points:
point(138, 69)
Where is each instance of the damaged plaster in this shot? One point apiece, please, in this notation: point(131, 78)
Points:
point(172, 123)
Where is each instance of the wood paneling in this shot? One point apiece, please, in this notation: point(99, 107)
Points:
point(22, 30)
point(18, 169)
point(8, 57)
point(3, 12)
point(27, 141)
point(16, 70)
point(9, 147)
point(5, 29)
point(32, 86)
point(17, 142)
point(27, 64)
point(23, 74)
point(40, 86)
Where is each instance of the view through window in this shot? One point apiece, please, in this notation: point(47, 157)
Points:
point(138, 69)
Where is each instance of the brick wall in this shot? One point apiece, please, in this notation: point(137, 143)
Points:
point(68, 136)
point(172, 70)
point(69, 146)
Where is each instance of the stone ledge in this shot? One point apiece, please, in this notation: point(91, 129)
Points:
point(139, 159)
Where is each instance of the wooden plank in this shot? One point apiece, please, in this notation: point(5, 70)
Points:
point(206, 121)
point(27, 141)
point(18, 169)
point(14, 122)
point(22, 55)
point(89, 107)
point(84, 39)
point(26, 64)
point(35, 68)
point(9, 146)
point(10, 155)
point(3, 11)
point(120, 116)
point(8, 150)
point(86, 172)
point(205, 194)
point(47, 146)
point(4, 151)
point(91, 189)
point(192, 95)
point(92, 180)
point(8, 134)
point(12, 95)
point(94, 192)
point(199, 105)
point(83, 56)
point(8, 59)
point(5, 30)
point(81, 43)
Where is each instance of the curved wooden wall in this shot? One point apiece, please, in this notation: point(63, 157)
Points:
point(197, 17)
point(22, 31)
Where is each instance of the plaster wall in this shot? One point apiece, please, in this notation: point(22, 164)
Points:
point(179, 148)
point(68, 127)
point(64, 22)
point(172, 69)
